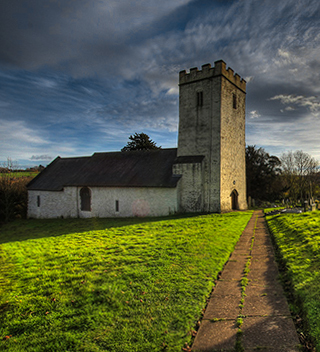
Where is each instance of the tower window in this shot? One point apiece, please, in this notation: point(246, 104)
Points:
point(199, 98)
point(117, 206)
point(234, 101)
point(38, 201)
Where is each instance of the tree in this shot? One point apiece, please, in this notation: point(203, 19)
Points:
point(299, 170)
point(140, 141)
point(263, 174)
point(13, 193)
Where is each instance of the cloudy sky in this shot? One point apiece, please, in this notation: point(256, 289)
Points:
point(78, 77)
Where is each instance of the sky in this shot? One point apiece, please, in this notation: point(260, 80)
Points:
point(78, 77)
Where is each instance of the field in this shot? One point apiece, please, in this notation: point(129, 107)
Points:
point(297, 237)
point(109, 285)
point(19, 174)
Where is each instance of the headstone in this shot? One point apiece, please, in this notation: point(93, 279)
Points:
point(253, 203)
point(313, 207)
point(305, 208)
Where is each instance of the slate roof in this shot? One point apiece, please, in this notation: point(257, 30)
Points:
point(152, 168)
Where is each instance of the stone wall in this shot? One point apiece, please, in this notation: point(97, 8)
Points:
point(199, 130)
point(233, 164)
point(216, 130)
point(190, 191)
point(131, 202)
point(52, 204)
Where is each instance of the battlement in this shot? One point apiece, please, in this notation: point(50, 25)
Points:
point(219, 69)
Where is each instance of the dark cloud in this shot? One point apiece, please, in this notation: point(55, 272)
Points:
point(81, 76)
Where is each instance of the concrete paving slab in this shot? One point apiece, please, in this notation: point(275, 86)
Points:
point(215, 336)
point(262, 290)
point(270, 305)
point(262, 241)
point(282, 349)
point(226, 307)
point(224, 288)
point(236, 263)
point(242, 246)
point(269, 332)
point(265, 250)
point(262, 274)
point(237, 256)
point(264, 265)
point(234, 273)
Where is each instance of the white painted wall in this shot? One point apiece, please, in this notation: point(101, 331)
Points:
point(53, 204)
point(136, 201)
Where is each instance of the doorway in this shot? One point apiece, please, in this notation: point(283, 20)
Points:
point(234, 200)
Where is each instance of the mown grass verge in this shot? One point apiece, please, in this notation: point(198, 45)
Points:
point(297, 238)
point(109, 285)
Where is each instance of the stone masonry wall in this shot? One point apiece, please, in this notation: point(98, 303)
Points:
point(233, 164)
point(199, 129)
point(53, 204)
point(131, 201)
point(190, 198)
point(216, 130)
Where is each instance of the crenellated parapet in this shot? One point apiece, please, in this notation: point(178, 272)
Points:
point(219, 69)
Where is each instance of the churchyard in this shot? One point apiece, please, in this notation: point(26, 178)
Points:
point(110, 284)
point(297, 241)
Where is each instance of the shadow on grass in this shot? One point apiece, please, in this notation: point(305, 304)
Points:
point(26, 229)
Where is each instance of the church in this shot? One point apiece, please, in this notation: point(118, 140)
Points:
point(205, 173)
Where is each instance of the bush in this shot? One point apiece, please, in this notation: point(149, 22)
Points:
point(13, 197)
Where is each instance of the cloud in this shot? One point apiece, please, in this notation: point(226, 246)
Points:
point(82, 76)
point(254, 114)
point(311, 103)
point(41, 157)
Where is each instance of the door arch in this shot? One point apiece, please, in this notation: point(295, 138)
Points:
point(85, 196)
point(234, 200)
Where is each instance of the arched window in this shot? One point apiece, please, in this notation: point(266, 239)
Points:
point(85, 196)
point(234, 200)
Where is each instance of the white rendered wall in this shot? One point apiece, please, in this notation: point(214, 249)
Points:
point(136, 201)
point(53, 204)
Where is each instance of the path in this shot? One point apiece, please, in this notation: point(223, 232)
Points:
point(262, 313)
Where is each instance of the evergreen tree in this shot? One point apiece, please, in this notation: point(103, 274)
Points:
point(140, 141)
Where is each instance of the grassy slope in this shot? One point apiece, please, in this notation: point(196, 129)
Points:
point(298, 239)
point(109, 285)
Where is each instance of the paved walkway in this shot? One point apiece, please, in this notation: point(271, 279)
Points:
point(261, 313)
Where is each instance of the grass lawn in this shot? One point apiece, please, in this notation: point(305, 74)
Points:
point(20, 174)
point(109, 284)
point(298, 239)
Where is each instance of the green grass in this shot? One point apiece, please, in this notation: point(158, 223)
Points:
point(109, 285)
point(298, 239)
point(20, 174)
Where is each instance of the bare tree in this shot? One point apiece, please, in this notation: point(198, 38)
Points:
point(299, 170)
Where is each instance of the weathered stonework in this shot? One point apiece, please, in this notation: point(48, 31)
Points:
point(212, 124)
point(136, 201)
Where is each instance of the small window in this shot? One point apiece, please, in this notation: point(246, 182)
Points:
point(38, 201)
point(117, 206)
point(199, 98)
point(234, 101)
point(85, 195)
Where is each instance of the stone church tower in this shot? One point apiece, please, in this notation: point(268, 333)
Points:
point(211, 142)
